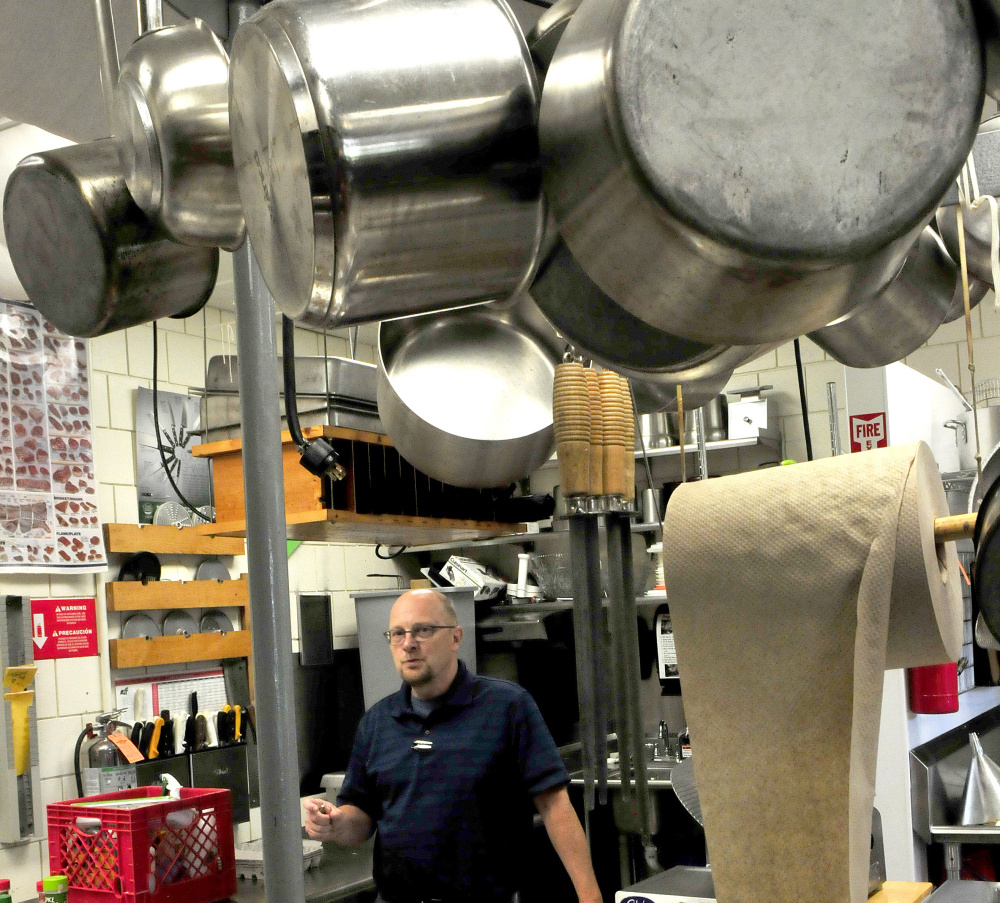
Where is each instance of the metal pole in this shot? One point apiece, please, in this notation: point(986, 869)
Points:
point(599, 673)
point(699, 431)
point(831, 406)
point(149, 14)
point(267, 562)
point(582, 626)
point(108, 48)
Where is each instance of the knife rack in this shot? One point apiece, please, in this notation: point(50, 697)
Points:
point(383, 498)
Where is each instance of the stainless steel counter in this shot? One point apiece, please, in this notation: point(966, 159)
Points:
point(657, 776)
point(343, 872)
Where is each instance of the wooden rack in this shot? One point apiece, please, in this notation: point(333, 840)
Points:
point(383, 499)
point(169, 594)
point(168, 540)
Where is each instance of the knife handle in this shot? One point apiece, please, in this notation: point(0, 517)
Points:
point(201, 732)
point(147, 735)
point(211, 733)
point(154, 740)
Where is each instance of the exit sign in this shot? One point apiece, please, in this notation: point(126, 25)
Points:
point(868, 431)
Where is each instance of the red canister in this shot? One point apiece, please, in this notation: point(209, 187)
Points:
point(933, 689)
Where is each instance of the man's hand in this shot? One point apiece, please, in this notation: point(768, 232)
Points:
point(347, 825)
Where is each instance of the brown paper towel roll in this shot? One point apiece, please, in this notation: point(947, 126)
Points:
point(781, 613)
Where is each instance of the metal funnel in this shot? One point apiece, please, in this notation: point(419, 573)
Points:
point(981, 799)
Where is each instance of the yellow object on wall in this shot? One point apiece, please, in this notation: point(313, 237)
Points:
point(18, 679)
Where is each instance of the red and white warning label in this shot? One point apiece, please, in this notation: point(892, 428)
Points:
point(868, 431)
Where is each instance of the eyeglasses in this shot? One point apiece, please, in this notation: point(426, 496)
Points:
point(420, 632)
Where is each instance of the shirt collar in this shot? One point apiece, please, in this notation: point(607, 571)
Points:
point(459, 694)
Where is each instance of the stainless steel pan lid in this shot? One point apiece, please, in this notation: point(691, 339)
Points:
point(89, 259)
point(172, 120)
point(897, 321)
point(382, 190)
point(739, 174)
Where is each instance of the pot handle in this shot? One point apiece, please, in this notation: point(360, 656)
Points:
point(957, 425)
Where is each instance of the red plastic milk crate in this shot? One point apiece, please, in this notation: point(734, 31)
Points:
point(176, 851)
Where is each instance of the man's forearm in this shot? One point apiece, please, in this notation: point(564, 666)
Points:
point(569, 842)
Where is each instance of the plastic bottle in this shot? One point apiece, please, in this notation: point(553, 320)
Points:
point(41, 892)
point(55, 887)
point(4, 890)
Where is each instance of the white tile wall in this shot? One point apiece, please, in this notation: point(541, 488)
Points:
point(121, 399)
point(114, 456)
point(23, 864)
point(56, 737)
point(126, 505)
point(109, 353)
point(345, 621)
point(78, 683)
point(45, 690)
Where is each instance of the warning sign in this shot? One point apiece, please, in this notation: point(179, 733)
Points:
point(63, 628)
point(868, 431)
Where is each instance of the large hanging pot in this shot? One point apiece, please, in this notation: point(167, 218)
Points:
point(740, 175)
point(903, 316)
point(87, 256)
point(466, 395)
point(386, 155)
point(171, 107)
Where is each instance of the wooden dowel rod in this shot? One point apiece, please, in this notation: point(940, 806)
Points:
point(955, 527)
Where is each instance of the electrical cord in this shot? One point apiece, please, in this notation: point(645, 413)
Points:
point(391, 555)
point(159, 441)
point(318, 455)
point(802, 400)
point(288, 372)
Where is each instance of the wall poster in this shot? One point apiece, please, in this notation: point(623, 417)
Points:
point(48, 491)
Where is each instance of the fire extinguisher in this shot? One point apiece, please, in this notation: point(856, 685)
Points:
point(102, 753)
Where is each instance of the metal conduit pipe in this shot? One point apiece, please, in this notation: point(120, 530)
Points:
point(267, 563)
point(108, 49)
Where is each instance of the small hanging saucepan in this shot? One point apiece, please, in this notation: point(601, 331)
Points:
point(386, 155)
point(466, 395)
point(87, 256)
point(171, 107)
point(903, 316)
point(737, 175)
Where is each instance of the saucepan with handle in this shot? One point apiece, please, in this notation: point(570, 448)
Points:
point(466, 395)
point(171, 117)
point(89, 259)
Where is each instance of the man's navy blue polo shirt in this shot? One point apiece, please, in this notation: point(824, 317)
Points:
point(453, 817)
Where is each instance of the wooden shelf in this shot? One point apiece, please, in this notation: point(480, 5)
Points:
point(349, 527)
point(136, 596)
point(168, 650)
point(168, 540)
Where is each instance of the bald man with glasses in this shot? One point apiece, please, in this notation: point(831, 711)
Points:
point(448, 769)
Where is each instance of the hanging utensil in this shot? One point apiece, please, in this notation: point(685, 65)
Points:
point(171, 117)
point(373, 191)
point(903, 316)
point(87, 256)
point(827, 154)
point(466, 395)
